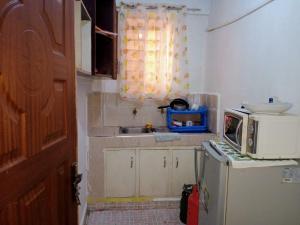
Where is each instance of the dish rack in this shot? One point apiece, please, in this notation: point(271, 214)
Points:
point(198, 118)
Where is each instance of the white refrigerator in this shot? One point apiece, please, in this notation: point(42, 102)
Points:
point(249, 192)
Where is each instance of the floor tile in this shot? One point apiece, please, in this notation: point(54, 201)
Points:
point(148, 213)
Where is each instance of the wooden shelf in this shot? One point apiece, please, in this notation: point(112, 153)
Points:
point(84, 12)
point(103, 40)
point(86, 74)
point(105, 76)
point(105, 33)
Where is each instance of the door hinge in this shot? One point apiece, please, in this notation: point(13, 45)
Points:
point(76, 179)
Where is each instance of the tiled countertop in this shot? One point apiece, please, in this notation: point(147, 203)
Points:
point(146, 140)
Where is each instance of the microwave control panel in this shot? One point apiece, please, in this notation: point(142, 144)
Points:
point(252, 136)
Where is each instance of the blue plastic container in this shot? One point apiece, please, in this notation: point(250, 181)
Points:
point(203, 127)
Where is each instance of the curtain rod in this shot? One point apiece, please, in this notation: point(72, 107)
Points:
point(170, 7)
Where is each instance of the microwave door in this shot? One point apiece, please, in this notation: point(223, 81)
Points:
point(232, 130)
point(238, 134)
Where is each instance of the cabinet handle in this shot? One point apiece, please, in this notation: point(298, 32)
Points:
point(131, 162)
point(206, 156)
point(165, 161)
point(177, 162)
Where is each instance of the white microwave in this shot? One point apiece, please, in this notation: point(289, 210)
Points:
point(263, 136)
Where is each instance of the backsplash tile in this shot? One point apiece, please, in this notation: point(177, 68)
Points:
point(212, 120)
point(203, 99)
point(212, 103)
point(111, 115)
point(95, 110)
point(144, 114)
point(108, 111)
point(199, 99)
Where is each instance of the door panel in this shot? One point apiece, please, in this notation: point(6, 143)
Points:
point(120, 173)
point(53, 122)
point(53, 12)
point(60, 195)
point(37, 112)
point(183, 170)
point(12, 131)
point(9, 215)
point(34, 206)
point(154, 172)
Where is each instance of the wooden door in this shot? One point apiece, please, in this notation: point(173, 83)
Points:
point(120, 173)
point(183, 170)
point(154, 172)
point(37, 112)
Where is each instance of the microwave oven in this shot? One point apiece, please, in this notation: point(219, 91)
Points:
point(263, 136)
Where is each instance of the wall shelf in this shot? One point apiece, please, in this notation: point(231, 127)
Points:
point(105, 33)
point(89, 75)
point(96, 37)
point(84, 12)
point(83, 46)
point(198, 117)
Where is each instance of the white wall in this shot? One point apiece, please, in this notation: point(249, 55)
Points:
point(197, 37)
point(222, 11)
point(197, 25)
point(83, 87)
point(256, 57)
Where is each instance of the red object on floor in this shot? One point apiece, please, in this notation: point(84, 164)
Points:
point(193, 207)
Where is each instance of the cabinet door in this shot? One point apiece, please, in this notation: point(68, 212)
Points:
point(120, 173)
point(154, 172)
point(183, 170)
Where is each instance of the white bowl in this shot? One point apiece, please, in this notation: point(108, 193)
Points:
point(272, 108)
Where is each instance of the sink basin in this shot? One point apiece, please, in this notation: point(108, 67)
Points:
point(141, 130)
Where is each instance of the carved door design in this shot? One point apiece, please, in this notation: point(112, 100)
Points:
point(37, 112)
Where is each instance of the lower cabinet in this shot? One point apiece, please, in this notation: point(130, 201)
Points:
point(154, 172)
point(120, 173)
point(148, 172)
point(183, 170)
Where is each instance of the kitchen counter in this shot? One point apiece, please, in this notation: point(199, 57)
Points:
point(98, 144)
point(146, 140)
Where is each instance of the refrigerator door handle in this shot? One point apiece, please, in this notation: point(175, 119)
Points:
point(205, 156)
point(200, 177)
point(196, 151)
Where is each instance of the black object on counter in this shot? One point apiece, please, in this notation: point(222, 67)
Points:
point(177, 104)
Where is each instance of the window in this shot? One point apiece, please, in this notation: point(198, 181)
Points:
point(153, 53)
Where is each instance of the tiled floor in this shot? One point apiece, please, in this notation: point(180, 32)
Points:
point(147, 213)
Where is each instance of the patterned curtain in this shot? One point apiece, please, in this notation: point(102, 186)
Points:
point(153, 52)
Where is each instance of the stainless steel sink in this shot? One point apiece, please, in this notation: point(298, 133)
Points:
point(141, 130)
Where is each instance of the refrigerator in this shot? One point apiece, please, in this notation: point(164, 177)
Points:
point(242, 191)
